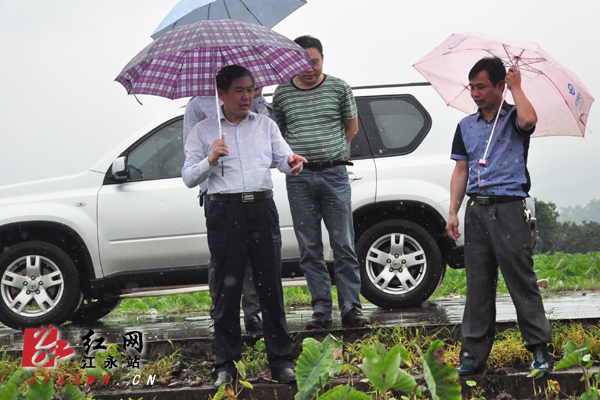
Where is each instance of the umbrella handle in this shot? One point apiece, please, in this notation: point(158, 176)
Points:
point(483, 161)
point(219, 121)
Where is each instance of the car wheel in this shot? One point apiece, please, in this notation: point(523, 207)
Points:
point(93, 309)
point(400, 264)
point(39, 286)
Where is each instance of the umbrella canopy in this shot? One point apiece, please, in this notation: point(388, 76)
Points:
point(261, 12)
point(561, 100)
point(185, 61)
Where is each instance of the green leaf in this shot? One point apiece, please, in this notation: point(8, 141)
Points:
point(241, 368)
point(379, 366)
point(535, 374)
point(405, 383)
point(373, 367)
point(247, 384)
point(39, 391)
point(345, 392)
point(9, 389)
point(315, 365)
point(260, 345)
point(72, 392)
point(442, 379)
point(574, 355)
point(592, 395)
point(471, 383)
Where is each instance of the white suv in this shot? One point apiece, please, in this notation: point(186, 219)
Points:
point(71, 246)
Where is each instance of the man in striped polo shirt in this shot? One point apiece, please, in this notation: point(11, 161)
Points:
point(496, 220)
point(317, 116)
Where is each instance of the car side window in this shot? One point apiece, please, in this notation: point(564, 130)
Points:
point(394, 125)
point(159, 155)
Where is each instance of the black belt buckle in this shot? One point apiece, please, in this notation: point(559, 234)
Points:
point(247, 197)
point(483, 200)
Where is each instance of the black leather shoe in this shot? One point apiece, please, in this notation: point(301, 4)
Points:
point(319, 321)
point(465, 370)
point(211, 328)
point(286, 375)
point(541, 358)
point(223, 377)
point(355, 319)
point(254, 325)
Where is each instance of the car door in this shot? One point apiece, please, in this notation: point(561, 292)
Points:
point(152, 221)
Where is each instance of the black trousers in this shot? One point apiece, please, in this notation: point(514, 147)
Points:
point(250, 304)
point(499, 236)
point(238, 231)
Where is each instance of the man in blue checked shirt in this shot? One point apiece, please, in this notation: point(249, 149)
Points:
point(242, 219)
point(496, 220)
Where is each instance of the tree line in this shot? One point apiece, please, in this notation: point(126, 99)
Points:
point(558, 234)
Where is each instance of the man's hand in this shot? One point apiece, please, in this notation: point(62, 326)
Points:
point(513, 78)
point(452, 227)
point(295, 161)
point(525, 111)
point(219, 148)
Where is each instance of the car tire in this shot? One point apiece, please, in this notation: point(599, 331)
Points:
point(39, 285)
point(400, 264)
point(91, 310)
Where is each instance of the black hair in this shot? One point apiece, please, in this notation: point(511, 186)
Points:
point(307, 42)
point(493, 66)
point(227, 74)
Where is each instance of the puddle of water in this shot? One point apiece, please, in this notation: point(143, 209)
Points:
point(194, 326)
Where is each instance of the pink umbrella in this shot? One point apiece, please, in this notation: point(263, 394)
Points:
point(561, 100)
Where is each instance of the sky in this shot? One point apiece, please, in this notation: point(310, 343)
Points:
point(61, 111)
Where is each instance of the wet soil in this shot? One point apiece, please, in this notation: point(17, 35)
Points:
point(188, 334)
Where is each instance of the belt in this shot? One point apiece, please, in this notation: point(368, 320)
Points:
point(490, 200)
point(321, 165)
point(242, 197)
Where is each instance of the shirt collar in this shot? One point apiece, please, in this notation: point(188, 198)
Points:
point(503, 111)
point(251, 116)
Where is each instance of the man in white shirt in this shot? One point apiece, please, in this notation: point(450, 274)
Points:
point(242, 219)
point(198, 109)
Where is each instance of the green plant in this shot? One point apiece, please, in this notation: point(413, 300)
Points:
point(23, 384)
point(441, 377)
point(227, 391)
point(382, 369)
point(255, 357)
point(476, 391)
point(343, 392)
point(316, 364)
point(580, 356)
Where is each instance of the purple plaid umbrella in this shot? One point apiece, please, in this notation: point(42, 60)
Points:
point(184, 61)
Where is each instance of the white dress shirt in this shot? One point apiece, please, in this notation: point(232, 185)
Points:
point(253, 146)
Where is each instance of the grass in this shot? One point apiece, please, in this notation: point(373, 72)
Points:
point(193, 302)
point(565, 272)
point(508, 352)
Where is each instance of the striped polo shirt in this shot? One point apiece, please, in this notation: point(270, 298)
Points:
point(506, 171)
point(313, 117)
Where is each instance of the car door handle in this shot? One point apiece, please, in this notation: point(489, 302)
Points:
point(354, 177)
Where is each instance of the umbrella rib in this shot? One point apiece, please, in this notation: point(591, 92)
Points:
point(251, 13)
point(226, 9)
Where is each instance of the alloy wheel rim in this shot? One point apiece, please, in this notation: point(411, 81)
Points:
point(32, 286)
point(396, 263)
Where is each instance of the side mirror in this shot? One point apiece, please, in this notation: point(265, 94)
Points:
point(119, 169)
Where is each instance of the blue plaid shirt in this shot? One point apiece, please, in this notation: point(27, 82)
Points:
point(506, 171)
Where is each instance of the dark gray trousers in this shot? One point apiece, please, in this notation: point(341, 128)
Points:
point(499, 236)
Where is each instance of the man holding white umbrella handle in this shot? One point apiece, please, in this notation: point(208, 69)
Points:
point(241, 218)
point(497, 233)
